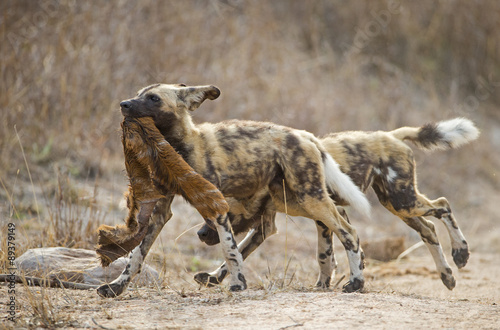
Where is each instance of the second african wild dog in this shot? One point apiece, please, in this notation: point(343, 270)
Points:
point(242, 158)
point(380, 160)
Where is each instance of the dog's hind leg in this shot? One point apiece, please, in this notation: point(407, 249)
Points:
point(459, 246)
point(252, 241)
point(304, 192)
point(399, 194)
point(428, 234)
point(161, 215)
point(440, 208)
point(334, 222)
point(326, 258)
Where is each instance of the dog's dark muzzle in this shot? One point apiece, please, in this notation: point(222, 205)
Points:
point(208, 235)
point(126, 107)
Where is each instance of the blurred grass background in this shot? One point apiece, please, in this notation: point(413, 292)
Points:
point(317, 65)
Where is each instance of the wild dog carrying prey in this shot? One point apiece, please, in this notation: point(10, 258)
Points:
point(243, 158)
point(380, 160)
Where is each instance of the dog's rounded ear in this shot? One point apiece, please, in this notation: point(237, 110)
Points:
point(213, 92)
point(193, 97)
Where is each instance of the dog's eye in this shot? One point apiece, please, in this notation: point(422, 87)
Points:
point(154, 98)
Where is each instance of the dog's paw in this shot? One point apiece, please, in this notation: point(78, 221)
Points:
point(240, 285)
point(323, 284)
point(448, 280)
point(460, 256)
point(206, 280)
point(111, 290)
point(353, 286)
point(237, 287)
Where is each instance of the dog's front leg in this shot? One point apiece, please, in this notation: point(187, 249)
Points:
point(161, 215)
point(252, 241)
point(234, 260)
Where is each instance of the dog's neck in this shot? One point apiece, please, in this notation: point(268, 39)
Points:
point(181, 133)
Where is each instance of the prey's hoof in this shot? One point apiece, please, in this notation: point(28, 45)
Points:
point(206, 280)
point(460, 256)
point(353, 286)
point(448, 280)
point(111, 290)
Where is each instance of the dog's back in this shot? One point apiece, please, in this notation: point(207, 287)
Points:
point(363, 155)
point(244, 157)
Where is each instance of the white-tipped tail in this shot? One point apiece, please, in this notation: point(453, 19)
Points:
point(342, 184)
point(447, 134)
point(456, 132)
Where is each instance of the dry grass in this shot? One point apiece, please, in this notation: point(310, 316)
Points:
point(321, 66)
point(66, 63)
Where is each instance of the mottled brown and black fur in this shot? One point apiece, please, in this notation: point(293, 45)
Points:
point(382, 161)
point(243, 158)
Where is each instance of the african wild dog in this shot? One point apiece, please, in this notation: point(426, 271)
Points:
point(242, 158)
point(380, 160)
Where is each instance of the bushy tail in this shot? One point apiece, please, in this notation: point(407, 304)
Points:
point(443, 135)
point(342, 184)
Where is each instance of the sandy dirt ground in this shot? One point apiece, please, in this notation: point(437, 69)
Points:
point(281, 274)
point(399, 295)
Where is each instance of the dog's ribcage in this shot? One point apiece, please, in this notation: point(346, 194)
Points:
point(242, 158)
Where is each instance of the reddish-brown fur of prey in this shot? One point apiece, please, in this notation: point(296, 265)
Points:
point(154, 169)
point(169, 172)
